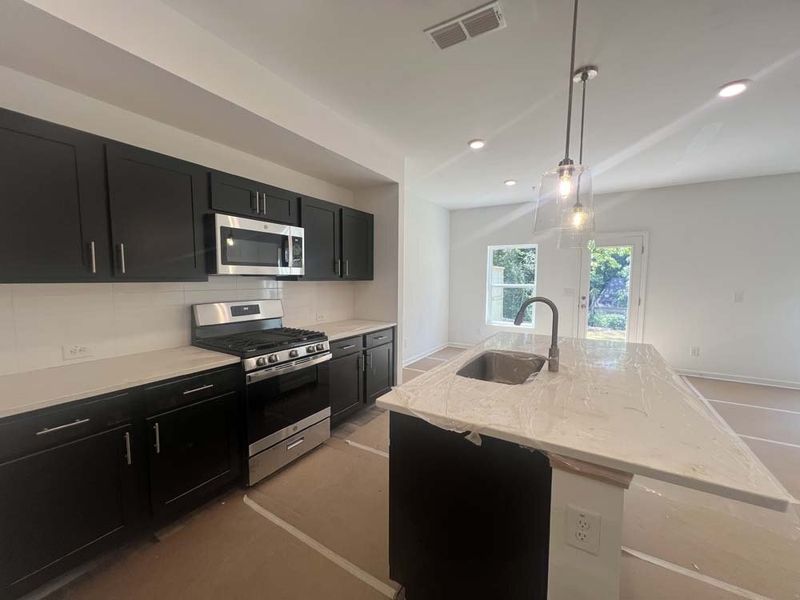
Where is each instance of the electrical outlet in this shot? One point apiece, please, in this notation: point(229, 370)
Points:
point(583, 529)
point(320, 317)
point(75, 351)
point(694, 351)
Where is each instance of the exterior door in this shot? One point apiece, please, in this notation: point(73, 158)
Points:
point(611, 300)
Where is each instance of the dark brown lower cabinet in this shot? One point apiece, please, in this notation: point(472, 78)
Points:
point(346, 385)
point(379, 371)
point(62, 505)
point(193, 453)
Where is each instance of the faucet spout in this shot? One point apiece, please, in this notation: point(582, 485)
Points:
point(553, 353)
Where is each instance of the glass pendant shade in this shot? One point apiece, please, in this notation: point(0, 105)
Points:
point(566, 205)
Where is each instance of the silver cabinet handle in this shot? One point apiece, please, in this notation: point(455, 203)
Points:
point(93, 257)
point(295, 443)
point(347, 347)
point(158, 438)
point(369, 360)
point(380, 337)
point(128, 447)
point(122, 258)
point(198, 389)
point(75, 423)
point(280, 256)
point(257, 204)
point(339, 267)
point(264, 200)
point(347, 267)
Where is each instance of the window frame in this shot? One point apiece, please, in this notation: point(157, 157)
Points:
point(490, 249)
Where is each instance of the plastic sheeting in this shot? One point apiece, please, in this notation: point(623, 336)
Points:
point(612, 404)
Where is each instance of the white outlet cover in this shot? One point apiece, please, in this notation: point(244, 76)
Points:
point(583, 529)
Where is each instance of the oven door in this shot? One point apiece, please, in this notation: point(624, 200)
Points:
point(250, 247)
point(286, 399)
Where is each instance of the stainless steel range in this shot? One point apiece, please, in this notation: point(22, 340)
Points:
point(287, 404)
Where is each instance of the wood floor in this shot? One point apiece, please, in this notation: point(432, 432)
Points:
point(318, 529)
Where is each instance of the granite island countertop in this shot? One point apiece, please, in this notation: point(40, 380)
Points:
point(611, 404)
point(32, 390)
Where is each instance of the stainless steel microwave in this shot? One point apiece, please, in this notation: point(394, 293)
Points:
point(251, 247)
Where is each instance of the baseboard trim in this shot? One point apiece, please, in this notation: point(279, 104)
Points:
point(741, 379)
point(416, 357)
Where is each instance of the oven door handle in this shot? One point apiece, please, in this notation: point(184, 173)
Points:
point(271, 372)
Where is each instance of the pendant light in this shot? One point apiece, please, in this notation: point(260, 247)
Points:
point(565, 199)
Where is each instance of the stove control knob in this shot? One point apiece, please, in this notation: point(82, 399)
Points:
point(310, 349)
point(261, 362)
point(273, 358)
point(320, 347)
point(293, 353)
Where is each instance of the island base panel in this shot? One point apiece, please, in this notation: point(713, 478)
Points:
point(466, 521)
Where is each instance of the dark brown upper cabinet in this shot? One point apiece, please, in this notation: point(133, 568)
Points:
point(321, 225)
point(52, 203)
point(240, 196)
point(357, 244)
point(156, 204)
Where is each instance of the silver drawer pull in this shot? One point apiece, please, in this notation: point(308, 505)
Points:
point(93, 255)
point(347, 347)
point(295, 443)
point(76, 422)
point(380, 337)
point(199, 389)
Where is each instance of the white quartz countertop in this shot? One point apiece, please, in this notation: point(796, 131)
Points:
point(337, 330)
point(611, 404)
point(32, 390)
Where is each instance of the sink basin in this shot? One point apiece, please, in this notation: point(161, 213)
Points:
point(511, 368)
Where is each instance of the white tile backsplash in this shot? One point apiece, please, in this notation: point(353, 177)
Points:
point(36, 320)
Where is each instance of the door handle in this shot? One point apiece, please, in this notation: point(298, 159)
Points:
point(93, 257)
point(122, 258)
point(158, 438)
point(127, 437)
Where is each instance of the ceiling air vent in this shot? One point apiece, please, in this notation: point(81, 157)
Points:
point(469, 25)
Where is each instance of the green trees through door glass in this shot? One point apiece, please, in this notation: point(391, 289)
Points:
point(609, 292)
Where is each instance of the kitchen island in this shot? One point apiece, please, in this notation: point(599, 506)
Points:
point(612, 411)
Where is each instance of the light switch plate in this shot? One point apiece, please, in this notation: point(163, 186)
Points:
point(583, 529)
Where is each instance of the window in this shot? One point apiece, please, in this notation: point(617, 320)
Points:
point(510, 279)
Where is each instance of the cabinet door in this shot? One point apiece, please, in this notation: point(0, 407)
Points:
point(235, 195)
point(157, 203)
point(240, 196)
point(380, 371)
point(357, 244)
point(59, 506)
point(320, 221)
point(346, 385)
point(193, 453)
point(52, 203)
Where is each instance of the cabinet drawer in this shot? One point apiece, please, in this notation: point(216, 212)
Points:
point(51, 427)
point(347, 346)
point(384, 336)
point(180, 392)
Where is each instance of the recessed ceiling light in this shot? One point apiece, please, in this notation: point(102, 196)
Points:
point(476, 144)
point(734, 88)
point(510, 182)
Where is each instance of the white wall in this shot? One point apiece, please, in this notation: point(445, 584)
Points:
point(427, 277)
point(706, 242)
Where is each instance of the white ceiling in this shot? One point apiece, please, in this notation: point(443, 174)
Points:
point(652, 118)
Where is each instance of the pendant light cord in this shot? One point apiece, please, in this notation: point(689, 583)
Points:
point(571, 71)
point(584, 77)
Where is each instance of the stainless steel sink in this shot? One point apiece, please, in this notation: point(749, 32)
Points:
point(499, 366)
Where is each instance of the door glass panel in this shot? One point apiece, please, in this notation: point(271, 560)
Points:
point(244, 247)
point(609, 292)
